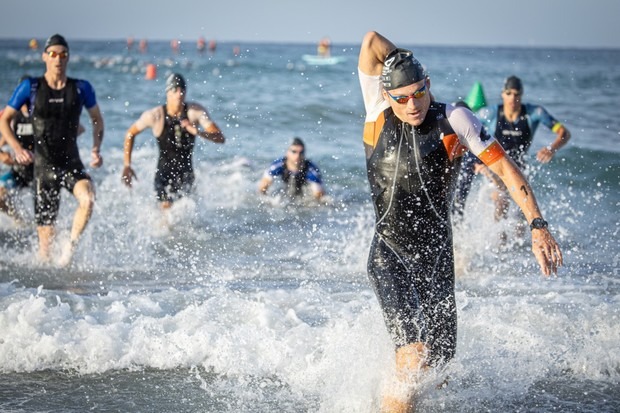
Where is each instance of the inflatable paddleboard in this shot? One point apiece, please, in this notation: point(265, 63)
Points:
point(321, 60)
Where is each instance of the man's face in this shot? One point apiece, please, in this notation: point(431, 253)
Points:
point(56, 58)
point(176, 95)
point(511, 99)
point(295, 154)
point(418, 100)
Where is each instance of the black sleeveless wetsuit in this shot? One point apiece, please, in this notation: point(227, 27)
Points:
point(411, 261)
point(175, 171)
point(55, 120)
point(294, 182)
point(515, 138)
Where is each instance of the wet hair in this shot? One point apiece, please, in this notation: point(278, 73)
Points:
point(297, 142)
point(401, 69)
point(175, 81)
point(56, 40)
point(513, 82)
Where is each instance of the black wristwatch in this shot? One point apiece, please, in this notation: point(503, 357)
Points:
point(538, 223)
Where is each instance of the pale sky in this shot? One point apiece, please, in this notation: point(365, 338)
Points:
point(538, 23)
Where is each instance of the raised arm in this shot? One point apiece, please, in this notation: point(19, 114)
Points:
point(373, 51)
point(545, 248)
point(97, 122)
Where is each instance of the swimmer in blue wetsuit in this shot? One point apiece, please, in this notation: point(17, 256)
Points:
point(19, 176)
point(296, 172)
point(55, 103)
point(513, 124)
point(413, 146)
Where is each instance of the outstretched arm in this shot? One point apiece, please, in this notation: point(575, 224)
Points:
point(545, 248)
point(373, 51)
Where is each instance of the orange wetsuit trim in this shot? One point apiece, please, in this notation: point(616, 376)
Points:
point(372, 130)
point(492, 154)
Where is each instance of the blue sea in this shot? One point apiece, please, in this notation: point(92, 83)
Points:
point(247, 305)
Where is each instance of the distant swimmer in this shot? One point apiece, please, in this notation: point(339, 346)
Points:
point(201, 44)
point(175, 45)
point(212, 46)
point(296, 172)
point(175, 126)
point(143, 45)
point(412, 145)
point(323, 49)
point(33, 44)
point(56, 104)
point(513, 124)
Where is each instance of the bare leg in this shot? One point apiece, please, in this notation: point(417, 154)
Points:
point(46, 238)
point(410, 363)
point(84, 192)
point(7, 205)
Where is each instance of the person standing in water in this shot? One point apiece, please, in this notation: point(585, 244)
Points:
point(56, 103)
point(296, 172)
point(412, 146)
point(175, 126)
point(513, 124)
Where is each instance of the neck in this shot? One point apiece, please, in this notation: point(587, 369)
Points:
point(292, 166)
point(56, 80)
point(174, 108)
point(510, 114)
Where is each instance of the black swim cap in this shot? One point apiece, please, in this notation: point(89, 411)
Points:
point(513, 82)
point(175, 81)
point(298, 142)
point(56, 40)
point(401, 69)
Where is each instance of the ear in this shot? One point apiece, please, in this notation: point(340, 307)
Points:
point(385, 95)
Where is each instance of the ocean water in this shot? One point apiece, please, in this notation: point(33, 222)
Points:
point(251, 306)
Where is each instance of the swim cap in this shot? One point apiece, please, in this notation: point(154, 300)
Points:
point(174, 81)
point(401, 69)
point(56, 40)
point(513, 82)
point(298, 142)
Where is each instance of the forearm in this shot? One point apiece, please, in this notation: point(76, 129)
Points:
point(518, 188)
point(128, 148)
point(562, 138)
point(215, 137)
point(373, 51)
point(97, 135)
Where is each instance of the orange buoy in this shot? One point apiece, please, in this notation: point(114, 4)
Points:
point(151, 72)
point(33, 44)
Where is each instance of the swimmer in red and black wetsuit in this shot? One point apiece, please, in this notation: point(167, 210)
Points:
point(175, 125)
point(56, 102)
point(413, 145)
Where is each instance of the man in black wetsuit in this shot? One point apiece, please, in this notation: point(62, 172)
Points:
point(56, 102)
point(413, 147)
point(175, 125)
